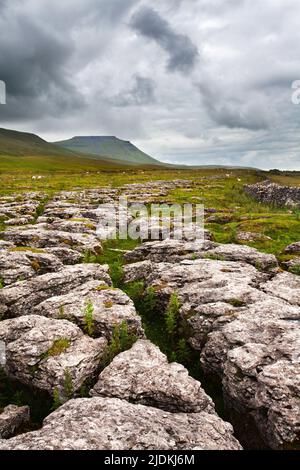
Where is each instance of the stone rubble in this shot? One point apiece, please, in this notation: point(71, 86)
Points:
point(272, 193)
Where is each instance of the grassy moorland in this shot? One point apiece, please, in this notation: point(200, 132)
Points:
point(220, 189)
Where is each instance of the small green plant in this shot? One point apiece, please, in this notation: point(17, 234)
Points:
point(84, 391)
point(40, 209)
point(214, 257)
point(173, 357)
point(121, 340)
point(103, 287)
point(182, 352)
point(124, 336)
point(89, 318)
point(56, 400)
point(68, 384)
point(135, 290)
point(150, 299)
point(295, 269)
point(58, 347)
point(236, 302)
point(1, 283)
point(18, 398)
point(88, 257)
point(259, 266)
point(116, 272)
point(172, 314)
point(61, 312)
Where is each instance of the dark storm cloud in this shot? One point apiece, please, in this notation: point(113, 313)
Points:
point(182, 52)
point(141, 93)
point(33, 64)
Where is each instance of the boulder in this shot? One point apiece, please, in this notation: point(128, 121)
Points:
point(173, 251)
point(113, 424)
point(246, 237)
point(38, 237)
point(106, 306)
point(22, 297)
point(143, 375)
point(21, 265)
point(246, 254)
point(169, 250)
point(73, 225)
point(50, 354)
point(293, 265)
point(66, 255)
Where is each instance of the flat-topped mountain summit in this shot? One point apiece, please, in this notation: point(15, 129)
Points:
point(24, 149)
point(108, 147)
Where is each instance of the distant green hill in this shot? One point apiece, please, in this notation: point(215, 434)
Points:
point(108, 147)
point(23, 144)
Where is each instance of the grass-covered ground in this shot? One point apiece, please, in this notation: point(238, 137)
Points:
point(219, 189)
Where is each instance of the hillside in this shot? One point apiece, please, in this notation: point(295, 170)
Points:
point(23, 144)
point(108, 147)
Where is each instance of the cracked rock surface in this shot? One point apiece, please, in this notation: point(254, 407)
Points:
point(45, 353)
point(143, 375)
point(237, 310)
point(244, 322)
point(114, 424)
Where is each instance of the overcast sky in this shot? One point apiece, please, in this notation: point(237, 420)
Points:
point(189, 81)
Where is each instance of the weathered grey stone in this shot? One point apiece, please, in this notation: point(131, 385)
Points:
point(21, 265)
point(247, 237)
point(20, 220)
point(73, 225)
point(169, 250)
point(21, 297)
point(242, 321)
point(172, 251)
point(39, 237)
point(66, 255)
point(143, 375)
point(286, 286)
point(6, 245)
point(108, 306)
point(13, 419)
point(232, 252)
point(293, 265)
point(257, 354)
point(219, 218)
point(294, 248)
point(113, 424)
point(46, 353)
point(272, 193)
